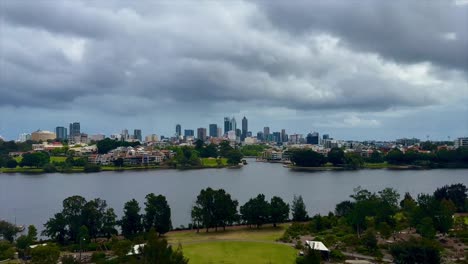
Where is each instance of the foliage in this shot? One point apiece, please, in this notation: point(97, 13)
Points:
point(353, 161)
point(336, 156)
point(234, 157)
point(256, 211)
point(36, 159)
point(253, 150)
point(344, 208)
point(107, 144)
point(8, 230)
point(157, 214)
point(121, 247)
point(45, 254)
point(416, 251)
point(307, 158)
point(49, 168)
point(11, 163)
point(457, 193)
point(310, 257)
point(279, 210)
point(7, 250)
point(369, 240)
point(89, 167)
point(131, 222)
point(299, 212)
point(158, 251)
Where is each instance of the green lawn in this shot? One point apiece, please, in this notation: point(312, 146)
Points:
point(211, 162)
point(239, 252)
point(266, 233)
point(381, 165)
point(52, 159)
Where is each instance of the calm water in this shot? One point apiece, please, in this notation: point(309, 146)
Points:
point(33, 199)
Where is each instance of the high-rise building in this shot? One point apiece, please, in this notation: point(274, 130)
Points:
point(125, 136)
point(220, 132)
point(137, 135)
point(227, 125)
point(61, 133)
point(213, 130)
point(313, 138)
point(284, 137)
point(233, 124)
point(461, 142)
point(178, 130)
point(151, 138)
point(238, 133)
point(266, 132)
point(74, 130)
point(23, 137)
point(201, 133)
point(277, 137)
point(245, 128)
point(325, 136)
point(260, 135)
point(188, 133)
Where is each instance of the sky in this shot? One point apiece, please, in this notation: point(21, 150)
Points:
point(356, 70)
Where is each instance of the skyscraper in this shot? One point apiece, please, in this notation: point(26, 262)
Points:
point(277, 137)
point(74, 130)
point(283, 135)
point(227, 125)
point(178, 130)
point(313, 138)
point(137, 134)
point(266, 132)
point(233, 124)
point(220, 132)
point(201, 133)
point(188, 133)
point(213, 130)
point(124, 135)
point(245, 128)
point(61, 133)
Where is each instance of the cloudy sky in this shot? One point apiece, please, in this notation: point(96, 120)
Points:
point(353, 69)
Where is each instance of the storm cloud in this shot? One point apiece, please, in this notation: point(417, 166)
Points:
point(312, 59)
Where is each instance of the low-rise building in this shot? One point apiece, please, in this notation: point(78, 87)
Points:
point(42, 135)
point(461, 142)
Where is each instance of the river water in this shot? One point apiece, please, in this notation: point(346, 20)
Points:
point(33, 199)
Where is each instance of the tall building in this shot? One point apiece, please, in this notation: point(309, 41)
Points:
point(233, 124)
point(125, 135)
point(284, 137)
point(213, 130)
point(201, 133)
point(260, 135)
point(151, 138)
point(245, 128)
point(24, 137)
point(75, 130)
point(61, 133)
point(137, 135)
point(178, 130)
point(277, 137)
point(266, 132)
point(188, 133)
point(313, 138)
point(461, 142)
point(326, 136)
point(227, 125)
point(220, 132)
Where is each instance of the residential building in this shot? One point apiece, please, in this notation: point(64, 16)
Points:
point(151, 138)
point(220, 132)
point(24, 137)
point(407, 141)
point(213, 130)
point(260, 136)
point(61, 133)
point(74, 130)
point(97, 137)
point(245, 128)
point(201, 133)
point(43, 135)
point(178, 130)
point(137, 135)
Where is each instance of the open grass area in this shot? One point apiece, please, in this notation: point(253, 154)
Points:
point(211, 162)
point(52, 159)
point(239, 252)
point(266, 233)
point(381, 165)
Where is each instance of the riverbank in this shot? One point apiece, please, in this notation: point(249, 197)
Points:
point(377, 166)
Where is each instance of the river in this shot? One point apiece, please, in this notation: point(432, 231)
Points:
point(34, 198)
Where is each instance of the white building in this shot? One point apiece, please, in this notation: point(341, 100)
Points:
point(461, 142)
point(23, 137)
point(250, 140)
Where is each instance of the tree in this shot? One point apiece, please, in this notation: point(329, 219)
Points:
point(45, 254)
point(11, 163)
point(89, 168)
point(307, 158)
point(56, 228)
point(7, 250)
point(375, 157)
point(353, 161)
point(416, 251)
point(157, 214)
point(131, 221)
point(457, 193)
point(32, 233)
point(336, 156)
point(157, 250)
point(369, 240)
point(299, 212)
point(36, 159)
point(8, 231)
point(73, 214)
point(121, 247)
point(224, 148)
point(119, 162)
point(344, 208)
point(310, 257)
point(203, 209)
point(279, 210)
point(108, 223)
point(225, 209)
point(256, 211)
point(395, 156)
point(426, 228)
point(234, 157)
point(92, 214)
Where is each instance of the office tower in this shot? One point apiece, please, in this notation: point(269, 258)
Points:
point(188, 133)
point(227, 125)
point(137, 134)
point(249, 134)
point(125, 135)
point(61, 133)
point(233, 124)
point(178, 130)
point(313, 138)
point(266, 132)
point(276, 137)
point(283, 135)
point(326, 136)
point(213, 130)
point(238, 133)
point(260, 135)
point(74, 129)
point(245, 128)
point(220, 132)
point(201, 133)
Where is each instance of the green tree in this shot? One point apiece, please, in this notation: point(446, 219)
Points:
point(353, 161)
point(369, 240)
point(457, 193)
point(45, 254)
point(203, 209)
point(224, 148)
point(234, 157)
point(336, 156)
point(375, 157)
point(157, 214)
point(119, 162)
point(157, 250)
point(7, 250)
point(121, 247)
point(307, 158)
point(131, 223)
point(395, 156)
point(256, 211)
point(416, 251)
point(299, 212)
point(73, 214)
point(56, 228)
point(11, 163)
point(36, 159)
point(344, 208)
point(426, 228)
point(279, 210)
point(8, 231)
point(225, 209)
point(108, 223)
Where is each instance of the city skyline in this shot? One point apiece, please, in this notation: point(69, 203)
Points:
point(359, 77)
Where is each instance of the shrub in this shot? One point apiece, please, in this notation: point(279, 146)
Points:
point(337, 255)
point(49, 168)
point(92, 168)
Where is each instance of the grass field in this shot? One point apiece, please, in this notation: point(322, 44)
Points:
point(211, 162)
point(52, 159)
point(239, 252)
point(266, 233)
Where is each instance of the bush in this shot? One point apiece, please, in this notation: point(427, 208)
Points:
point(98, 256)
point(69, 259)
point(11, 164)
point(416, 251)
point(92, 168)
point(49, 168)
point(337, 255)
